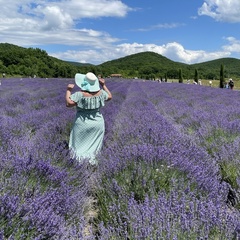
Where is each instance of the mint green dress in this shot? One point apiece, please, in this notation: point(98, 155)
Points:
point(87, 133)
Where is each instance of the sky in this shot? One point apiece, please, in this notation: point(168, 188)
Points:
point(97, 31)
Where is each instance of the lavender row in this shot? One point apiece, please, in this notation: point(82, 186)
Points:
point(44, 193)
point(211, 117)
point(156, 176)
point(147, 140)
point(141, 130)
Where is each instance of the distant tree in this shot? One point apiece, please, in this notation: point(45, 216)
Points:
point(165, 77)
point(221, 83)
point(152, 76)
point(210, 76)
point(15, 60)
point(173, 73)
point(147, 70)
point(196, 76)
point(180, 76)
point(2, 67)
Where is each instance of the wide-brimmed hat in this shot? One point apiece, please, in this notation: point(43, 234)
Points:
point(87, 82)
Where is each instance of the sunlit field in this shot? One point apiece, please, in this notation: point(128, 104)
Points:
point(205, 82)
point(169, 167)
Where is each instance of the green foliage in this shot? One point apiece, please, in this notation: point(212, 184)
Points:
point(180, 76)
point(144, 64)
point(19, 61)
point(221, 83)
point(196, 76)
point(231, 67)
point(230, 173)
point(25, 62)
point(139, 180)
point(165, 77)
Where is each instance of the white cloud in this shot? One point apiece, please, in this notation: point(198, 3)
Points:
point(42, 22)
point(95, 8)
point(233, 46)
point(159, 26)
point(90, 56)
point(51, 15)
point(56, 18)
point(221, 10)
point(173, 51)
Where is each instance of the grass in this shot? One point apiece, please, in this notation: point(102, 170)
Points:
point(139, 180)
point(205, 82)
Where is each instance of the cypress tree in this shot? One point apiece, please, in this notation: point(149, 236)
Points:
point(196, 76)
point(165, 77)
point(221, 83)
point(180, 76)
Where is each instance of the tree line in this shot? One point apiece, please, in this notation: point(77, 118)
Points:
point(29, 62)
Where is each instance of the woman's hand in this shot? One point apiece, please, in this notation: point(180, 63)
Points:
point(69, 102)
point(70, 87)
point(101, 81)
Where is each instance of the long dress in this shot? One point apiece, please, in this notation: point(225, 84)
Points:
point(87, 133)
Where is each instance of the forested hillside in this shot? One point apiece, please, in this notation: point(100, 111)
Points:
point(25, 62)
point(150, 65)
point(19, 61)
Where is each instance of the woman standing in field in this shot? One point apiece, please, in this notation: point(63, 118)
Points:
point(87, 133)
point(231, 83)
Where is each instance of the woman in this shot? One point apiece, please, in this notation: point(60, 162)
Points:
point(87, 133)
point(231, 83)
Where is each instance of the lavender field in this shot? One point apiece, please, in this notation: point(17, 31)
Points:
point(169, 167)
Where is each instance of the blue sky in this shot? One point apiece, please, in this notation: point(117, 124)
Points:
point(96, 31)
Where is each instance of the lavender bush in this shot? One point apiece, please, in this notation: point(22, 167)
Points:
point(44, 193)
point(168, 168)
point(159, 127)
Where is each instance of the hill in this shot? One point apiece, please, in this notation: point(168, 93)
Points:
point(150, 64)
point(139, 60)
point(19, 61)
point(212, 68)
point(78, 63)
